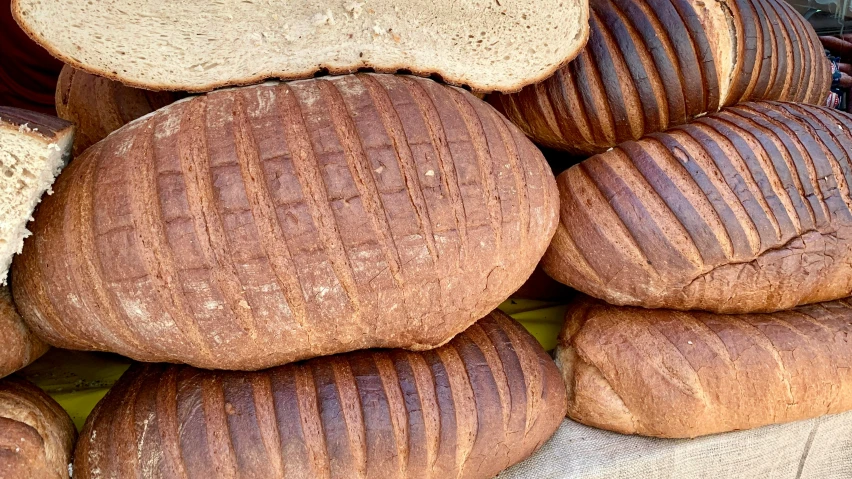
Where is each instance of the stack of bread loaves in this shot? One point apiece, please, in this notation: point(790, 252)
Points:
point(729, 222)
point(250, 228)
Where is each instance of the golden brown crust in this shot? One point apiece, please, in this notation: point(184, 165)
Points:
point(36, 435)
point(469, 409)
point(99, 106)
point(685, 374)
point(740, 211)
point(20, 346)
point(256, 226)
point(650, 65)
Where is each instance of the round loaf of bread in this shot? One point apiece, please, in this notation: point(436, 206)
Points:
point(36, 435)
point(651, 65)
point(744, 210)
point(256, 226)
point(481, 403)
point(98, 106)
point(20, 346)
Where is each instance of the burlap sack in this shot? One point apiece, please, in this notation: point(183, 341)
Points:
point(815, 449)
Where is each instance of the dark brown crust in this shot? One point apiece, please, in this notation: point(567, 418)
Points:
point(44, 125)
point(745, 210)
point(98, 106)
point(321, 67)
point(20, 346)
point(649, 66)
point(672, 374)
point(256, 226)
point(41, 447)
point(469, 409)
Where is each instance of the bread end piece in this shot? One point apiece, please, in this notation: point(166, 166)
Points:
point(33, 150)
point(21, 347)
point(488, 46)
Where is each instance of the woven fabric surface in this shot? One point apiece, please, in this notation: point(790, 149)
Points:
point(819, 448)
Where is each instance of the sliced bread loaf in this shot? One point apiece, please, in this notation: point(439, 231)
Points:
point(98, 106)
point(197, 45)
point(483, 402)
point(747, 209)
point(255, 226)
point(651, 65)
point(36, 435)
point(33, 150)
point(685, 374)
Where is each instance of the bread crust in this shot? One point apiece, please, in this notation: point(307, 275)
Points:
point(256, 226)
point(674, 374)
point(469, 409)
point(98, 106)
point(670, 48)
point(21, 346)
point(744, 210)
point(36, 435)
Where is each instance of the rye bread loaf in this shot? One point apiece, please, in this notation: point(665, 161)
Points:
point(20, 346)
point(98, 106)
point(469, 409)
point(36, 435)
point(197, 45)
point(651, 65)
point(743, 210)
point(256, 226)
point(679, 374)
point(33, 149)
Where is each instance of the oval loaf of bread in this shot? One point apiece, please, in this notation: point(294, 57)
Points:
point(256, 226)
point(679, 374)
point(98, 106)
point(197, 45)
point(650, 65)
point(469, 409)
point(36, 434)
point(744, 210)
point(20, 346)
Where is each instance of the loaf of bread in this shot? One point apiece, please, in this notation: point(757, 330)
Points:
point(197, 45)
point(679, 374)
point(33, 149)
point(744, 210)
point(256, 226)
point(481, 403)
point(20, 346)
point(652, 65)
point(36, 435)
point(98, 106)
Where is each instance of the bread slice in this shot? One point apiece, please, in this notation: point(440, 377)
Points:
point(197, 45)
point(33, 150)
point(98, 106)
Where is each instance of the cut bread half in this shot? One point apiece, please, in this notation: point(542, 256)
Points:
point(196, 45)
point(33, 150)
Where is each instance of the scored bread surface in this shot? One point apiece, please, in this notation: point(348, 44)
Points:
point(36, 435)
point(469, 409)
point(256, 226)
point(195, 45)
point(651, 65)
point(744, 210)
point(98, 106)
point(678, 374)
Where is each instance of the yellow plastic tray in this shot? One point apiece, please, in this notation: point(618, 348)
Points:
point(78, 380)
